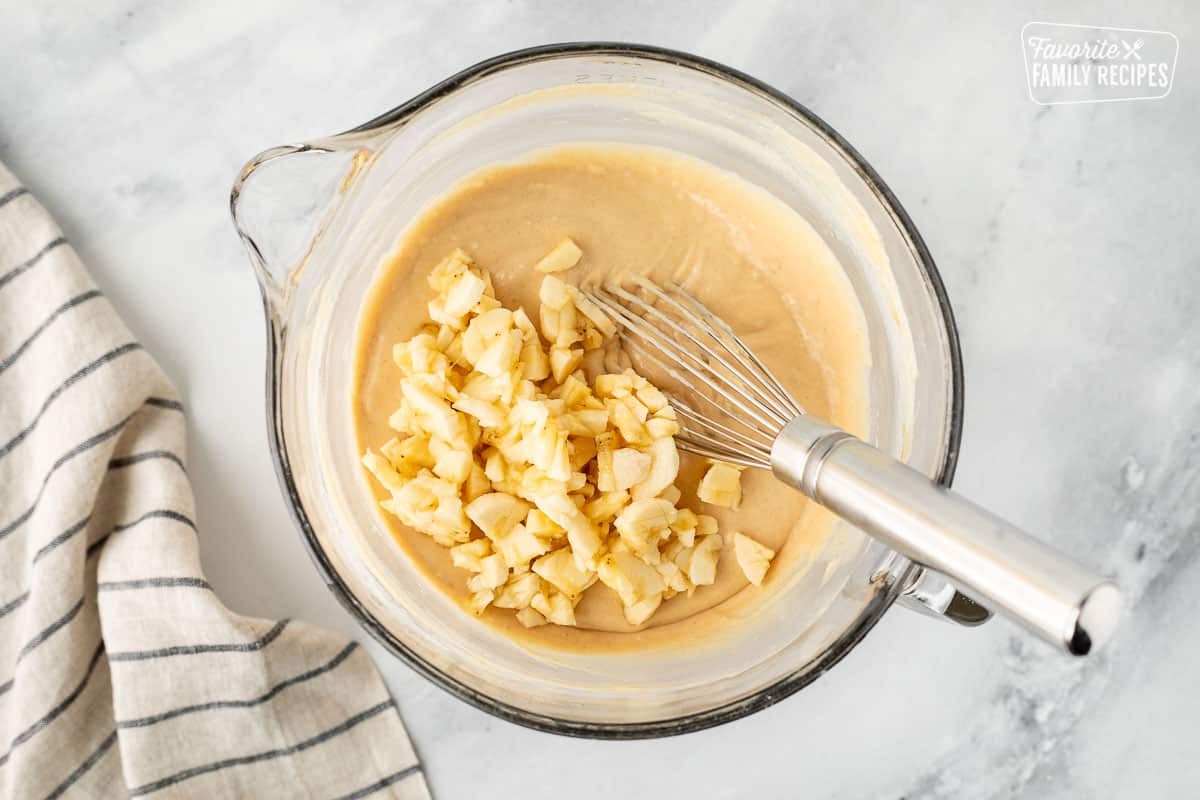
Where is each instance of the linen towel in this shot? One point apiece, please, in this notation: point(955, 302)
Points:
point(121, 673)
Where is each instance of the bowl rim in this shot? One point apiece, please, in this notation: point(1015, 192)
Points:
point(785, 686)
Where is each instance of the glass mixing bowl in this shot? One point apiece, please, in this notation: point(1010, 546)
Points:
point(318, 219)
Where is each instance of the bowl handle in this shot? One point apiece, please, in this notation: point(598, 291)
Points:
point(281, 203)
point(931, 594)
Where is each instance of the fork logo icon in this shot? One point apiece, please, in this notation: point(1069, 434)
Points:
point(1132, 49)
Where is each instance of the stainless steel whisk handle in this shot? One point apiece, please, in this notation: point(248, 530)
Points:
point(991, 560)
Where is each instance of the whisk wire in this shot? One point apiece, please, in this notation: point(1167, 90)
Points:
point(761, 399)
point(711, 451)
point(680, 336)
point(702, 431)
point(694, 418)
point(687, 361)
point(685, 303)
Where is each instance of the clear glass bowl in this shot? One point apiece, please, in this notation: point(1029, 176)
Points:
point(318, 219)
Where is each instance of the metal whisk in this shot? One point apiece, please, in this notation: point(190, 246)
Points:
point(733, 409)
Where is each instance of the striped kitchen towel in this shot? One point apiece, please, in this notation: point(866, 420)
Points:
point(121, 674)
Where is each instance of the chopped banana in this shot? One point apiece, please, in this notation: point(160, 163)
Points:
point(646, 515)
point(469, 555)
point(592, 338)
point(641, 611)
point(582, 534)
point(671, 494)
point(542, 526)
point(454, 466)
point(477, 483)
point(489, 415)
point(478, 601)
point(544, 439)
point(702, 568)
point(555, 295)
point(535, 364)
point(606, 506)
point(499, 357)
point(568, 327)
point(685, 519)
point(629, 466)
point(627, 423)
point(594, 315)
point(565, 255)
point(664, 468)
point(721, 486)
point(643, 524)
point(433, 414)
point(652, 397)
point(613, 385)
point(631, 578)
point(560, 570)
point(564, 361)
point(463, 294)
point(449, 269)
point(383, 471)
point(660, 428)
point(606, 480)
point(530, 618)
point(483, 330)
point(589, 422)
point(752, 557)
point(493, 573)
point(496, 513)
point(519, 546)
point(519, 591)
point(555, 607)
point(574, 393)
point(673, 576)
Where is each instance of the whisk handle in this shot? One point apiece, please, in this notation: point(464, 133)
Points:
point(991, 560)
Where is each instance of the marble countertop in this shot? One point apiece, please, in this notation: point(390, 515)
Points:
point(1067, 237)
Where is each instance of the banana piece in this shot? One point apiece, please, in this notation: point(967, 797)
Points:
point(530, 618)
point(629, 467)
point(565, 255)
point(469, 555)
point(752, 557)
point(496, 513)
point(478, 601)
point(702, 568)
point(721, 486)
point(560, 570)
point(664, 469)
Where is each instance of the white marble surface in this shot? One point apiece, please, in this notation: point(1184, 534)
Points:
point(1067, 238)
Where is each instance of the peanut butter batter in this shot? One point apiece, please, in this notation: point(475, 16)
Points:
point(660, 214)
